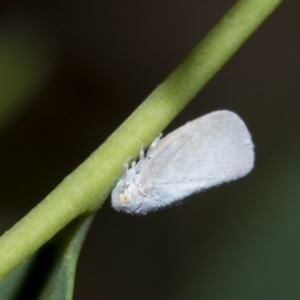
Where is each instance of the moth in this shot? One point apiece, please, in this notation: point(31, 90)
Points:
point(206, 152)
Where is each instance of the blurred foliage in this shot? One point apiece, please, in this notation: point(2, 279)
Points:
point(260, 258)
point(27, 56)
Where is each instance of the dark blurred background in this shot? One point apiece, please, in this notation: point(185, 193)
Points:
point(72, 71)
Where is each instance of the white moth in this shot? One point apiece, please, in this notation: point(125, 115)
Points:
point(208, 151)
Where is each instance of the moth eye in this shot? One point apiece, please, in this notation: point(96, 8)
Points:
point(125, 197)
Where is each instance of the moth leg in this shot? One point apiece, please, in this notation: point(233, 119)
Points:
point(154, 143)
point(125, 171)
point(137, 167)
point(142, 151)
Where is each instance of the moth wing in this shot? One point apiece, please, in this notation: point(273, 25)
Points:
point(208, 151)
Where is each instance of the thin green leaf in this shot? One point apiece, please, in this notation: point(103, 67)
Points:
point(50, 273)
point(11, 285)
point(60, 283)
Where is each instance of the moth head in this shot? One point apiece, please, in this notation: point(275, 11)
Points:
point(125, 197)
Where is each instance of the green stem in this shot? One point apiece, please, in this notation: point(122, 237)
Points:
point(83, 191)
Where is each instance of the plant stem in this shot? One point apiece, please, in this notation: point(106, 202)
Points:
point(83, 191)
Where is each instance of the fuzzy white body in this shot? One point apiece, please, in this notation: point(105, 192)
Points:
point(208, 151)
